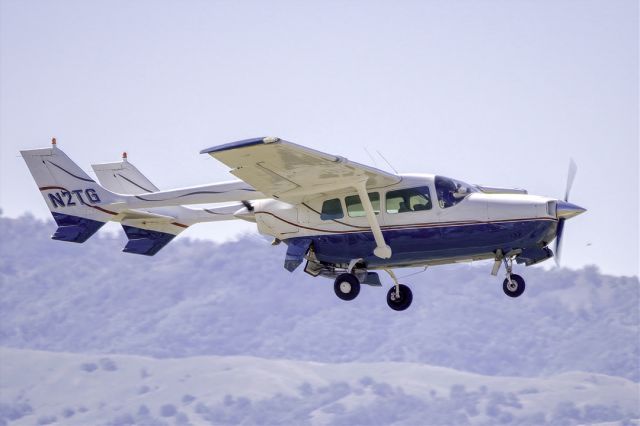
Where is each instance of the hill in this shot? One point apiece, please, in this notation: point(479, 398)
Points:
point(199, 298)
point(74, 389)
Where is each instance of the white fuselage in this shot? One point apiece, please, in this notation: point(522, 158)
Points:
point(283, 220)
point(472, 229)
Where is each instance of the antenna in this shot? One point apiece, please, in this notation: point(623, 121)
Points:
point(385, 160)
point(375, 163)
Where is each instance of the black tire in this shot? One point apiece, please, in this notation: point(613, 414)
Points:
point(346, 286)
point(517, 287)
point(406, 297)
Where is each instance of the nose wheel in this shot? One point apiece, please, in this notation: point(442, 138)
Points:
point(513, 286)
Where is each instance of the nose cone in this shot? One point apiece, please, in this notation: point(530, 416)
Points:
point(566, 210)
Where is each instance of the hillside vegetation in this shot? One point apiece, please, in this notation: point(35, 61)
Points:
point(40, 388)
point(199, 298)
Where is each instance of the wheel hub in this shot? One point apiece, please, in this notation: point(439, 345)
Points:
point(345, 287)
point(512, 285)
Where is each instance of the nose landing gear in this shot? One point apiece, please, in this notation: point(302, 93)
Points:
point(513, 285)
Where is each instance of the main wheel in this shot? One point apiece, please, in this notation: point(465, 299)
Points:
point(346, 286)
point(399, 303)
point(514, 288)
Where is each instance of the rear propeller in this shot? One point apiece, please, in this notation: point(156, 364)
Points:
point(248, 205)
point(572, 174)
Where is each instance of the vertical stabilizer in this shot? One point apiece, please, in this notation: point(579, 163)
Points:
point(123, 177)
point(78, 204)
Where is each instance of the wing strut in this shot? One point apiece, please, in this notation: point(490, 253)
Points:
point(383, 251)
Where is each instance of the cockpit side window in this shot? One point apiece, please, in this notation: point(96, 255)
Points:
point(409, 200)
point(331, 209)
point(355, 208)
point(450, 191)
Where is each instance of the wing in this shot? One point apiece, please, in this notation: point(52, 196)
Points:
point(291, 172)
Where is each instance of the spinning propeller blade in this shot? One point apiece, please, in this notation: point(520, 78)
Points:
point(558, 246)
point(570, 177)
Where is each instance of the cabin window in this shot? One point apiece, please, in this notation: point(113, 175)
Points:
point(451, 192)
point(355, 207)
point(331, 209)
point(409, 200)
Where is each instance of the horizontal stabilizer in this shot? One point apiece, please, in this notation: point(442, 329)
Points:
point(74, 229)
point(145, 241)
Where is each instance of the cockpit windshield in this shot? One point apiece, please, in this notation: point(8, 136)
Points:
point(451, 192)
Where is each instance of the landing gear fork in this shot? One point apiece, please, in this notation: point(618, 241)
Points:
point(508, 266)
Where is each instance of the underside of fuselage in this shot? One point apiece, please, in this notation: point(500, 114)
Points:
point(432, 244)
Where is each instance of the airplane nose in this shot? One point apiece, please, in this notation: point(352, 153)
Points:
point(566, 210)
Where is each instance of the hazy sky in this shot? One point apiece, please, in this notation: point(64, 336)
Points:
point(493, 92)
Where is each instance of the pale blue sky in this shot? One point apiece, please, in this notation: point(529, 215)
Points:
point(493, 92)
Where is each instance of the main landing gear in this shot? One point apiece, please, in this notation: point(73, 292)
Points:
point(346, 286)
point(399, 297)
point(513, 285)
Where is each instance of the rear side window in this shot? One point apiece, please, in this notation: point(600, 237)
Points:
point(409, 200)
point(355, 208)
point(331, 209)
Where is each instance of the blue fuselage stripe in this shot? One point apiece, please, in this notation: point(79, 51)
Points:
point(427, 243)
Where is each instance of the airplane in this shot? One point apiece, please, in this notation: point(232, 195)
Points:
point(346, 220)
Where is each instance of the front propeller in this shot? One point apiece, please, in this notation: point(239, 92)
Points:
point(566, 210)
